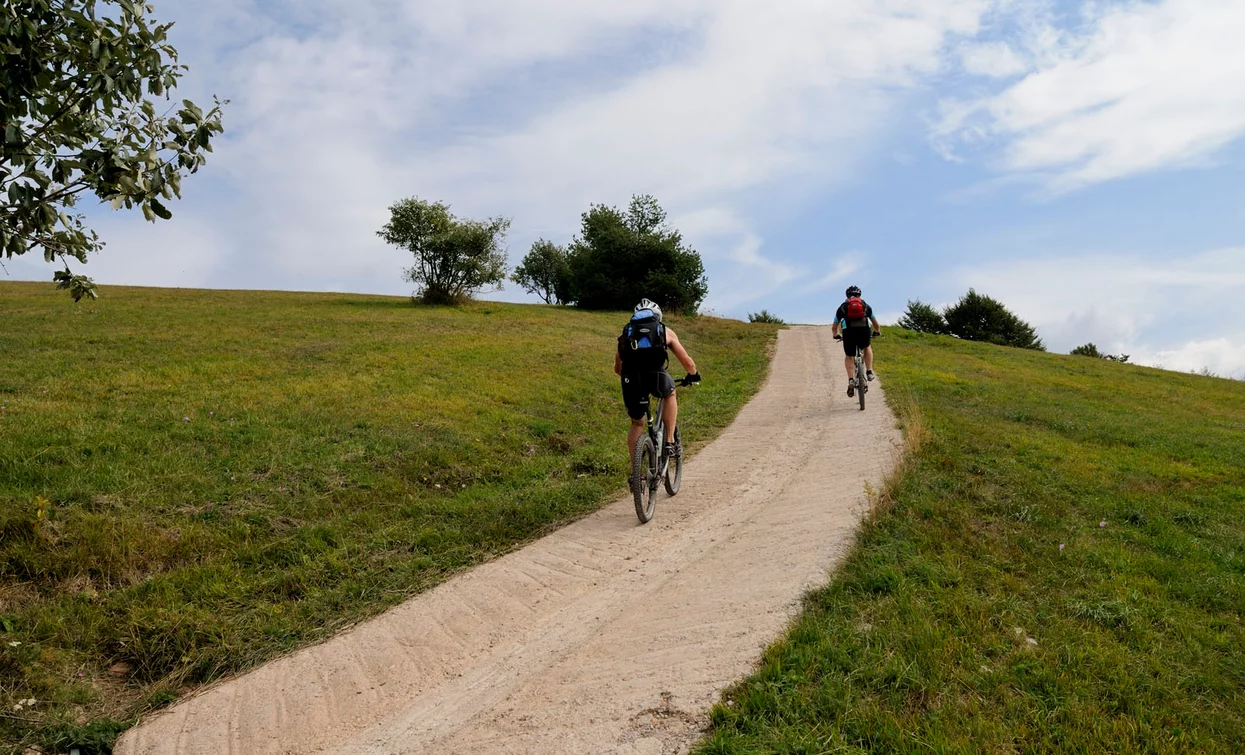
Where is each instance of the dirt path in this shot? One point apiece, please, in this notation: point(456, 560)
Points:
point(604, 637)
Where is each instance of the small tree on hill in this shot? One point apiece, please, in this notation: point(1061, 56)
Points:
point(923, 318)
point(765, 316)
point(454, 258)
point(979, 318)
point(620, 258)
point(81, 111)
point(1090, 350)
point(544, 272)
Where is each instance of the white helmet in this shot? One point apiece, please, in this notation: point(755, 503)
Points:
point(647, 304)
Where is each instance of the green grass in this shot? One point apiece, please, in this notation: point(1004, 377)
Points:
point(1058, 567)
point(192, 482)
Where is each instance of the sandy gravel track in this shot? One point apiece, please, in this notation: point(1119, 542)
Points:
point(604, 637)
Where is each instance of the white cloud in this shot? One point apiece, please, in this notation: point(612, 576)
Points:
point(843, 267)
point(534, 110)
point(994, 59)
point(1143, 86)
point(1224, 357)
point(727, 239)
point(1157, 310)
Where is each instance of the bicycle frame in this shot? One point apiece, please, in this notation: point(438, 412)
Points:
point(652, 423)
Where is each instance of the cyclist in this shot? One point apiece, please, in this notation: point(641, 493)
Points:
point(852, 322)
point(640, 360)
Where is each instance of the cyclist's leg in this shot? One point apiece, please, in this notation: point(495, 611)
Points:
point(670, 416)
point(663, 387)
point(634, 399)
point(849, 351)
point(865, 341)
point(637, 429)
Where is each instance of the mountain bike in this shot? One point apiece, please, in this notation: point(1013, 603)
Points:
point(862, 379)
point(650, 464)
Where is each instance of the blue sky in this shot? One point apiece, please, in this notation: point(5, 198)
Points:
point(1079, 161)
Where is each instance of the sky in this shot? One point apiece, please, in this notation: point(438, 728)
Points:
point(1079, 161)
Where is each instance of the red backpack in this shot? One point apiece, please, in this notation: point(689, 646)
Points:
point(856, 308)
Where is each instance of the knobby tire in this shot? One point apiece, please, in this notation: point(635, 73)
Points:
point(674, 470)
point(862, 383)
point(643, 472)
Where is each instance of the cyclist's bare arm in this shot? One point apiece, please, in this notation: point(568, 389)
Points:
point(680, 353)
point(876, 328)
point(834, 329)
point(617, 363)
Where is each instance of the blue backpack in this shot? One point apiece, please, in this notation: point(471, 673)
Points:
point(642, 344)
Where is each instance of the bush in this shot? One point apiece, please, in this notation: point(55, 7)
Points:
point(765, 316)
point(923, 318)
point(979, 318)
point(1090, 350)
point(454, 258)
point(620, 258)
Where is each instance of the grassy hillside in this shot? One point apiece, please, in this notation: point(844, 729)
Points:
point(192, 482)
point(1060, 567)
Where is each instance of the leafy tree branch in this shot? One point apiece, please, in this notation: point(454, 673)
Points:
point(77, 115)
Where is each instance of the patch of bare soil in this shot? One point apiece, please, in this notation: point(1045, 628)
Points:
point(607, 636)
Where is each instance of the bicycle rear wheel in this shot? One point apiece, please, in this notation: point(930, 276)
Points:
point(644, 478)
point(862, 384)
point(674, 470)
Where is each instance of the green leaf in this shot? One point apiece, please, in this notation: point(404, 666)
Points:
point(158, 208)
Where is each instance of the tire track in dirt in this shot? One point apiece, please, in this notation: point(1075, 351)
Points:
point(606, 636)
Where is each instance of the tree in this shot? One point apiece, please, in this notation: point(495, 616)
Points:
point(979, 318)
point(544, 272)
point(454, 258)
point(923, 318)
point(620, 258)
point(1090, 350)
point(76, 117)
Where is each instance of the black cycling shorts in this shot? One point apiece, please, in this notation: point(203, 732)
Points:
point(853, 337)
point(638, 386)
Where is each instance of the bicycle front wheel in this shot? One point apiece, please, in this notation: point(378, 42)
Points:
point(644, 478)
point(674, 469)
